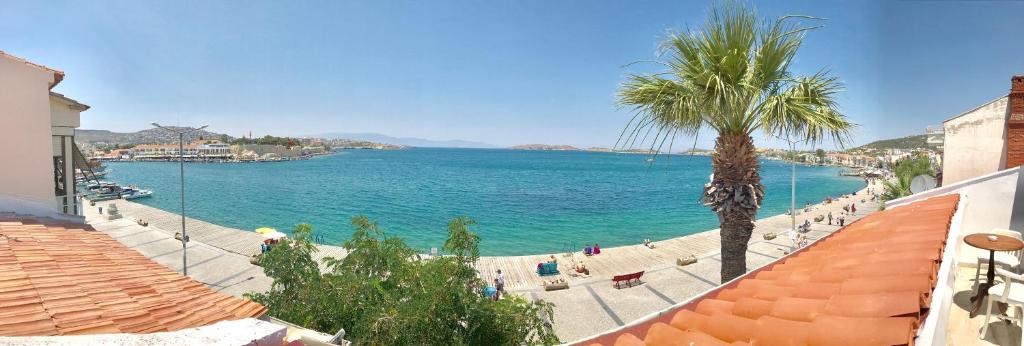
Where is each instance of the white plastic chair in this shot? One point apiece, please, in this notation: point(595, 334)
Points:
point(1003, 259)
point(1010, 292)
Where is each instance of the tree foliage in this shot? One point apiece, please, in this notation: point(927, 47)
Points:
point(904, 172)
point(268, 139)
point(383, 293)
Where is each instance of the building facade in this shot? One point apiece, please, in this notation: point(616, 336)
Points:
point(985, 139)
point(39, 164)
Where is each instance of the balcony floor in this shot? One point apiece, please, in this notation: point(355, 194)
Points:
point(964, 330)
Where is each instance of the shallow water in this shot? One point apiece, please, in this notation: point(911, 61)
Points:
point(524, 202)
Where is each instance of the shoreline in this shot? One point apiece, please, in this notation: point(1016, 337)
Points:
point(702, 244)
point(246, 242)
point(573, 225)
point(589, 305)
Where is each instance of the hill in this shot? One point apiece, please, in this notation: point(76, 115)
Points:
point(406, 141)
point(543, 147)
point(909, 142)
point(96, 137)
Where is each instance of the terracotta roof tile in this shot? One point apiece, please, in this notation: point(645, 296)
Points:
point(69, 279)
point(866, 284)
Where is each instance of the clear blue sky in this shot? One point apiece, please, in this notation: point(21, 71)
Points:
point(504, 73)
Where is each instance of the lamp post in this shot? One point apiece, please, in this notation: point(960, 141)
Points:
point(792, 161)
point(181, 168)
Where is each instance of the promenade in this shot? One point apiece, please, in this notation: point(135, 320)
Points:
point(219, 257)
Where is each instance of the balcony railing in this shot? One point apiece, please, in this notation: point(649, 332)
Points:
point(70, 204)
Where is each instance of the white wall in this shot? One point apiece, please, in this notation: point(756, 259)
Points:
point(975, 142)
point(25, 142)
point(64, 114)
point(991, 200)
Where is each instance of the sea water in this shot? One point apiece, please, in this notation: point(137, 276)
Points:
point(524, 202)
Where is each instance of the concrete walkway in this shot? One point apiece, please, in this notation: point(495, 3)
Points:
point(219, 257)
point(219, 269)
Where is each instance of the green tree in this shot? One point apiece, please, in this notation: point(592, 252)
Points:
point(732, 76)
point(904, 173)
point(820, 154)
point(383, 293)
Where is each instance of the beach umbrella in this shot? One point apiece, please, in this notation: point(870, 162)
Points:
point(274, 235)
point(265, 230)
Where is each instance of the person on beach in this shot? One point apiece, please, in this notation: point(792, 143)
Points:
point(801, 241)
point(597, 249)
point(853, 207)
point(497, 291)
point(587, 250)
point(553, 260)
point(830, 217)
point(499, 283)
point(842, 220)
point(580, 267)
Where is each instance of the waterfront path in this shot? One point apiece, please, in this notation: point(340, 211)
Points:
point(218, 257)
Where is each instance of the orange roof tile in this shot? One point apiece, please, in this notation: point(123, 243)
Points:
point(866, 284)
point(66, 278)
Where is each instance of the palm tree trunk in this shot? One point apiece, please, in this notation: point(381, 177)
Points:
point(734, 193)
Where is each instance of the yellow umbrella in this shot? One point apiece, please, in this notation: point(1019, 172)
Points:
point(265, 230)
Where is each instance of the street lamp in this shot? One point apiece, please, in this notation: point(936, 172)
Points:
point(181, 167)
point(792, 160)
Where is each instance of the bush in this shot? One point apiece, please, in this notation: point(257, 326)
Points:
point(383, 293)
point(905, 171)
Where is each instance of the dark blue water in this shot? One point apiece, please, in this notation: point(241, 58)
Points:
point(525, 202)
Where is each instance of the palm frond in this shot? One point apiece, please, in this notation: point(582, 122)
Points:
point(806, 109)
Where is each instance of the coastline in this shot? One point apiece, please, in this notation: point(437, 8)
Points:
point(700, 244)
point(218, 257)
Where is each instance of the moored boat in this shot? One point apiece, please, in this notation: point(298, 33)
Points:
point(138, 194)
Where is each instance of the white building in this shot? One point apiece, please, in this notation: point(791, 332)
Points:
point(986, 139)
point(38, 138)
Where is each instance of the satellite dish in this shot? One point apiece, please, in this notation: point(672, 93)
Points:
point(922, 183)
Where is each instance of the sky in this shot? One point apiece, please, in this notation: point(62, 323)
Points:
point(504, 73)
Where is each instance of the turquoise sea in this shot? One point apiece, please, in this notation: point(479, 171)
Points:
point(524, 202)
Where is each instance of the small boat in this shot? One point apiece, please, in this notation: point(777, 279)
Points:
point(100, 185)
point(649, 159)
point(138, 194)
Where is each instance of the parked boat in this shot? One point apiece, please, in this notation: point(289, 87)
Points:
point(100, 185)
point(138, 194)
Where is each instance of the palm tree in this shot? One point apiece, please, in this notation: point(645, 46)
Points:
point(732, 77)
point(904, 172)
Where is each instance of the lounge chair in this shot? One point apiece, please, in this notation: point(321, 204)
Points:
point(547, 268)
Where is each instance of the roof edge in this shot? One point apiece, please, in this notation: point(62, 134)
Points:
point(58, 75)
point(976, 108)
point(74, 104)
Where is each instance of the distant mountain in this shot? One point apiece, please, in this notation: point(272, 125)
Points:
point(407, 141)
point(145, 136)
point(543, 147)
point(909, 142)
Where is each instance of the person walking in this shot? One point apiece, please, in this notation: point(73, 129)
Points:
point(499, 284)
point(853, 207)
point(830, 218)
